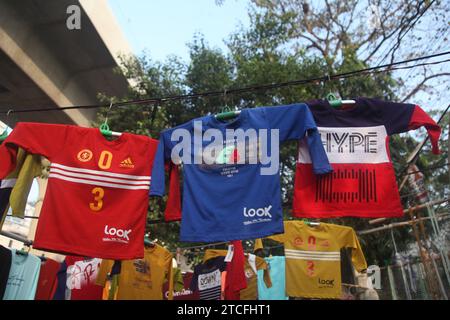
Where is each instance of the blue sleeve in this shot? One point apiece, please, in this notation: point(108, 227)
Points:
point(296, 122)
point(158, 182)
point(292, 121)
point(319, 158)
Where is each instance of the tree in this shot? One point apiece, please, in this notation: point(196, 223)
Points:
point(376, 31)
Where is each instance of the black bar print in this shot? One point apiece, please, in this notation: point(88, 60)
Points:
point(374, 186)
point(366, 181)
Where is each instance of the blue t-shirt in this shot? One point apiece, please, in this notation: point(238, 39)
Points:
point(23, 277)
point(277, 265)
point(225, 195)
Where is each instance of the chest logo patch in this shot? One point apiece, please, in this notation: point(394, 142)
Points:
point(84, 155)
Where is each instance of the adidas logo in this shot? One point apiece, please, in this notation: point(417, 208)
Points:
point(127, 163)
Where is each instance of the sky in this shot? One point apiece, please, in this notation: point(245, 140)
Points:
point(165, 27)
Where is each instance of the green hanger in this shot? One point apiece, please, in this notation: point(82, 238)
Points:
point(4, 135)
point(334, 102)
point(148, 242)
point(104, 128)
point(226, 112)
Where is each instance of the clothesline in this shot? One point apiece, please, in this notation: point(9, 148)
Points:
point(16, 237)
point(158, 100)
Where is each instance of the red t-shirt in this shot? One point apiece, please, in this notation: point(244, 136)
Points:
point(97, 196)
point(356, 141)
point(48, 281)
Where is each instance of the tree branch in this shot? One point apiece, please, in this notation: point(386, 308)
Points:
point(419, 86)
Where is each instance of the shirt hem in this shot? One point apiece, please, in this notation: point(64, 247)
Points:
point(324, 170)
point(356, 214)
point(318, 296)
point(86, 253)
point(200, 238)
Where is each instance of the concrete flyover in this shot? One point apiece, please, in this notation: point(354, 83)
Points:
point(45, 64)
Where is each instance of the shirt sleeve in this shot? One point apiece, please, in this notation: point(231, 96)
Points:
point(104, 270)
point(276, 237)
point(292, 121)
point(297, 122)
point(403, 117)
point(169, 274)
point(36, 138)
point(173, 205)
point(348, 239)
point(157, 187)
point(262, 264)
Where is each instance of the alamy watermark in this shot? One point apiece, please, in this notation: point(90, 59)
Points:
point(73, 21)
point(211, 147)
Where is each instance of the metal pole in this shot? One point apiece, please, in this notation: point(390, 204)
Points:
point(442, 252)
point(397, 255)
point(392, 283)
point(438, 277)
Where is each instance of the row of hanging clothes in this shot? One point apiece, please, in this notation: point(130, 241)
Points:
point(220, 274)
point(96, 201)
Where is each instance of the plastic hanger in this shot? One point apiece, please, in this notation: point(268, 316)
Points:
point(22, 252)
point(104, 127)
point(311, 223)
point(226, 112)
point(337, 103)
point(148, 242)
point(4, 135)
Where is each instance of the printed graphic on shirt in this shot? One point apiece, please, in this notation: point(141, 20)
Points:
point(257, 215)
point(127, 163)
point(226, 157)
point(82, 273)
point(350, 145)
point(84, 155)
point(116, 235)
point(144, 279)
point(16, 280)
point(359, 157)
point(209, 285)
point(209, 280)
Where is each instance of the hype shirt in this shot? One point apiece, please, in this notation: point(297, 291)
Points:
point(226, 196)
point(356, 141)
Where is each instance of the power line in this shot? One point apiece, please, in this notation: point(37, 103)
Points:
point(409, 27)
point(402, 32)
point(325, 78)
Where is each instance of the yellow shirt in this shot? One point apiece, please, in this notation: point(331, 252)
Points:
point(313, 262)
point(142, 279)
point(251, 292)
point(28, 167)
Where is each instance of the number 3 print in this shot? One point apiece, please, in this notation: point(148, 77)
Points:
point(98, 193)
point(104, 162)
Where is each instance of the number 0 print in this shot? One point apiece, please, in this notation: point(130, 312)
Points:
point(105, 160)
point(98, 193)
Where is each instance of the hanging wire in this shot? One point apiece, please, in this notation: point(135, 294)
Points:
point(328, 77)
